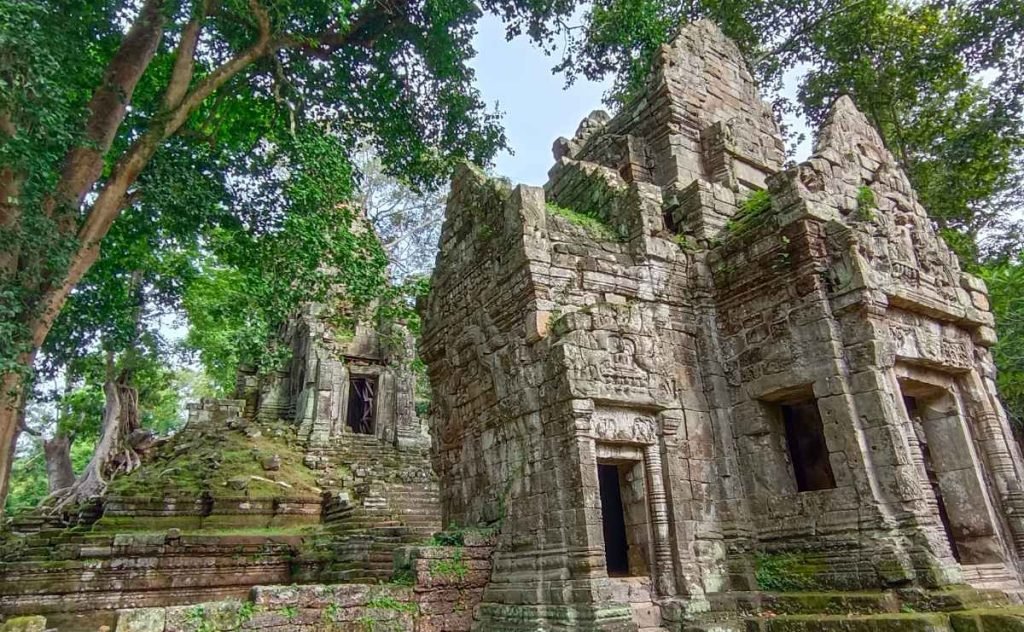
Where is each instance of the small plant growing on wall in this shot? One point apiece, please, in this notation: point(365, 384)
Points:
point(866, 203)
point(246, 611)
point(752, 209)
point(289, 612)
point(453, 568)
point(387, 602)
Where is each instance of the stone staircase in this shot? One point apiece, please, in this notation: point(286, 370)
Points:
point(377, 486)
point(383, 498)
point(356, 459)
point(379, 498)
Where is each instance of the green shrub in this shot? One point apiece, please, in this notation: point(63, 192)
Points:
point(595, 226)
point(751, 210)
point(866, 203)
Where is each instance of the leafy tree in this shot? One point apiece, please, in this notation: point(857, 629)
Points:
point(251, 282)
point(407, 221)
point(91, 92)
point(1006, 292)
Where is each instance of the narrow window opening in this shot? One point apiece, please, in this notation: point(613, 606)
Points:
point(914, 414)
point(362, 393)
point(613, 518)
point(805, 438)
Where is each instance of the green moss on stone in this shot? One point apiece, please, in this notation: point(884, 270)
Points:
point(787, 572)
point(752, 209)
point(203, 460)
point(593, 225)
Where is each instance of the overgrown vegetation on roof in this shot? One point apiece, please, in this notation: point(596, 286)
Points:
point(210, 458)
point(595, 226)
point(751, 210)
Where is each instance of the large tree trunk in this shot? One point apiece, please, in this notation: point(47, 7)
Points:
point(113, 454)
point(11, 391)
point(59, 473)
point(84, 164)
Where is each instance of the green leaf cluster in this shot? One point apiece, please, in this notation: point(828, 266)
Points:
point(751, 210)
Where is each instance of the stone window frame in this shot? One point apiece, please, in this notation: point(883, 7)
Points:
point(771, 408)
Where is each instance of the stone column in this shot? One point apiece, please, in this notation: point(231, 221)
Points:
point(992, 436)
point(663, 575)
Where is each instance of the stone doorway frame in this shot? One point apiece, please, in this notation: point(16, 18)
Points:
point(953, 455)
point(624, 430)
point(639, 532)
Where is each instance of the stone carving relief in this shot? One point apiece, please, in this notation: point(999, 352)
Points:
point(915, 340)
point(624, 426)
point(619, 365)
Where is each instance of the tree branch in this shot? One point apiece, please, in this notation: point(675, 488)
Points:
point(107, 109)
point(185, 58)
point(126, 170)
point(794, 38)
point(373, 22)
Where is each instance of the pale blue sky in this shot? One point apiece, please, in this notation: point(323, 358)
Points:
point(537, 109)
point(517, 75)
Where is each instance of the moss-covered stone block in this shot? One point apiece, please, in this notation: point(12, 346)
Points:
point(988, 621)
point(24, 624)
point(839, 623)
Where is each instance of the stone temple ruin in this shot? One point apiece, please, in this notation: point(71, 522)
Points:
point(682, 387)
point(670, 390)
point(316, 473)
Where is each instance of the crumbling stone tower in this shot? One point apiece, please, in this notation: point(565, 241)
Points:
point(339, 383)
point(680, 371)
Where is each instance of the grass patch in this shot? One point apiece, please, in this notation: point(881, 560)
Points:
point(593, 225)
point(752, 209)
point(866, 204)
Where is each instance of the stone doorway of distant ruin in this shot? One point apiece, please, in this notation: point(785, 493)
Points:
point(948, 465)
point(625, 518)
point(361, 409)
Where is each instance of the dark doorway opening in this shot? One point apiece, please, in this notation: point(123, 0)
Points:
point(914, 414)
point(805, 438)
point(613, 519)
point(362, 400)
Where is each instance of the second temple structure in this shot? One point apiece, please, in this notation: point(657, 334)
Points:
point(680, 371)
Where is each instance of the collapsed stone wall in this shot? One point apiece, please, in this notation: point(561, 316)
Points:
point(785, 369)
point(316, 473)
